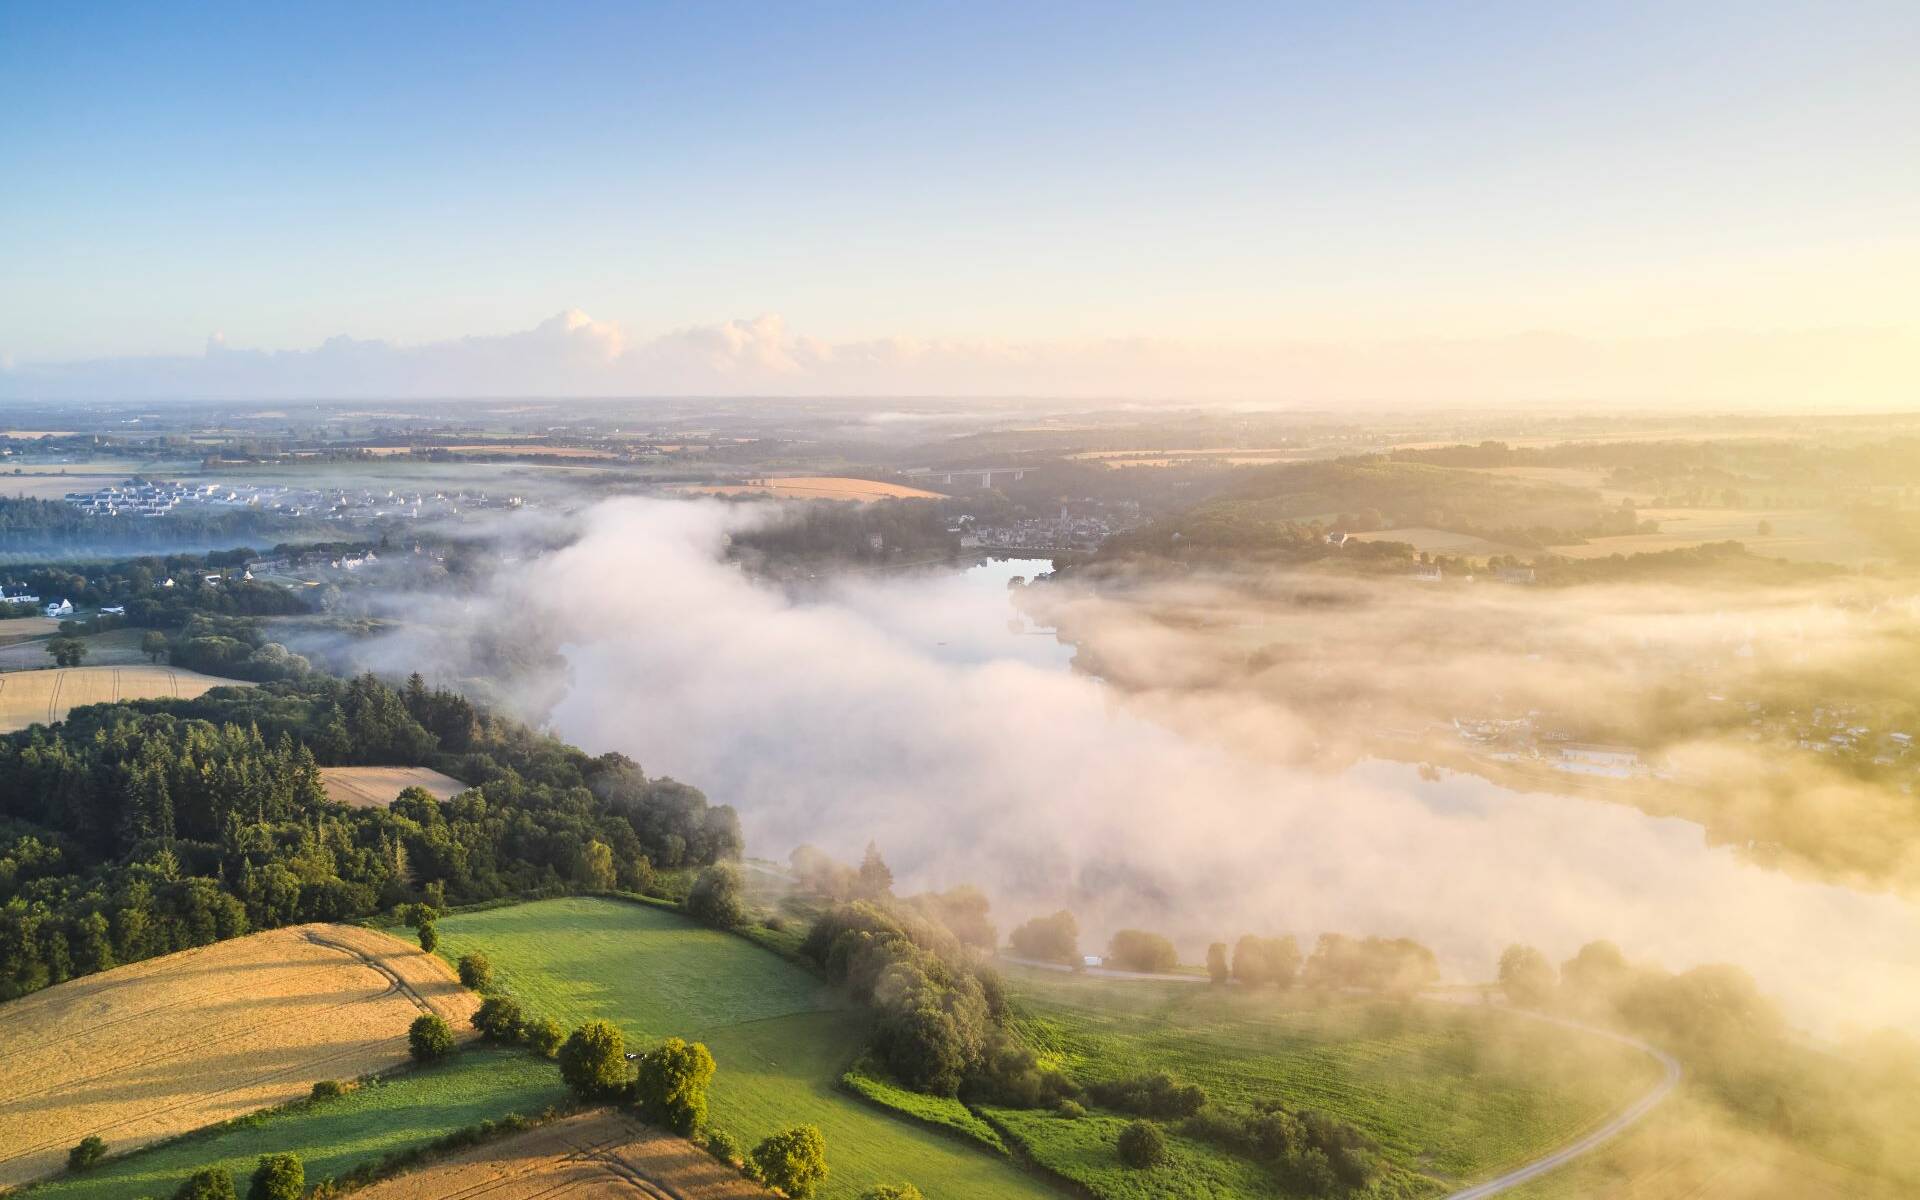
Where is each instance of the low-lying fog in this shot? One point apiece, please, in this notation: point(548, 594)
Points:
point(904, 709)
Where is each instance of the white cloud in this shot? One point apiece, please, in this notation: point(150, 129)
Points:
point(572, 354)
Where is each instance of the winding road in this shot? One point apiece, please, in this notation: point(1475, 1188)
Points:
point(1616, 1125)
point(1593, 1140)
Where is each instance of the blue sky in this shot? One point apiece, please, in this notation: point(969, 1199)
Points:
point(1009, 173)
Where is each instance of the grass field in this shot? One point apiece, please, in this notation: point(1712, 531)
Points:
point(1453, 1092)
point(598, 1153)
point(376, 787)
point(115, 648)
point(819, 487)
point(154, 1049)
point(333, 1136)
point(43, 697)
point(1801, 535)
point(780, 1041)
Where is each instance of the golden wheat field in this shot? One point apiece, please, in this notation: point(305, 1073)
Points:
point(819, 487)
point(29, 697)
point(376, 787)
point(156, 1048)
point(600, 1153)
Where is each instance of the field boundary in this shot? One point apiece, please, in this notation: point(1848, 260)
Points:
point(845, 1083)
point(208, 1132)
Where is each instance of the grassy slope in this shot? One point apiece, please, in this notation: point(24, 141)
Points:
point(332, 1136)
point(780, 1040)
point(1453, 1092)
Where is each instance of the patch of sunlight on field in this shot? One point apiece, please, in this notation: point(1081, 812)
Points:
point(333, 1136)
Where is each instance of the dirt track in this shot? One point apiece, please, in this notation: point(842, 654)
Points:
point(160, 1047)
point(598, 1153)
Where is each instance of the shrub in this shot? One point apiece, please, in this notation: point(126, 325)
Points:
point(544, 1036)
point(499, 1019)
point(278, 1177)
point(211, 1183)
point(1150, 1096)
point(593, 1062)
point(326, 1089)
point(722, 1146)
point(476, 972)
point(1072, 1110)
point(429, 1038)
point(1049, 939)
point(793, 1160)
point(892, 1191)
point(88, 1151)
point(429, 937)
point(671, 1088)
point(715, 897)
point(1142, 1145)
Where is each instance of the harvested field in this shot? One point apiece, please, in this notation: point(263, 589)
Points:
point(819, 487)
point(600, 1153)
point(376, 787)
point(43, 697)
point(154, 1049)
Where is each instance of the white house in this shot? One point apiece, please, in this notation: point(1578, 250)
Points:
point(114, 610)
point(60, 608)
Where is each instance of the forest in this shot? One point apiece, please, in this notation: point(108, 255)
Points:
point(140, 828)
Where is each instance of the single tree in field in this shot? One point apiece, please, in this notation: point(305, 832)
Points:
point(793, 1160)
point(278, 1177)
point(1217, 969)
point(67, 651)
point(876, 878)
point(429, 937)
point(90, 1150)
point(429, 1038)
point(593, 1062)
point(1048, 939)
point(499, 1019)
point(212, 1183)
point(153, 644)
point(544, 1036)
point(715, 897)
point(1526, 976)
point(1258, 960)
point(1142, 1145)
point(476, 972)
point(892, 1191)
point(1139, 950)
point(671, 1087)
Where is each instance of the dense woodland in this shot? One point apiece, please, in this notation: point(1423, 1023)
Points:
point(137, 829)
point(47, 525)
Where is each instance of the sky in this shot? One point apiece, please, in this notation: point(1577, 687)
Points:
point(985, 197)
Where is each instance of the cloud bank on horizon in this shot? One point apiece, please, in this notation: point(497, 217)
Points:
point(572, 354)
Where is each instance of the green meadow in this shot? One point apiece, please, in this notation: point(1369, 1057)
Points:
point(779, 1035)
point(1450, 1092)
point(333, 1136)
